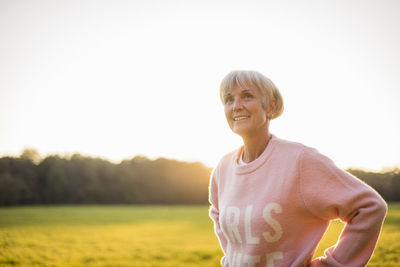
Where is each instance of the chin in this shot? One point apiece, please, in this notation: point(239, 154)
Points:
point(241, 132)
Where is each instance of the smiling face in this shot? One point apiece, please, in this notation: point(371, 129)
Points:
point(245, 112)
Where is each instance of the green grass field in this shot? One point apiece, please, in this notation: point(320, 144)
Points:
point(136, 236)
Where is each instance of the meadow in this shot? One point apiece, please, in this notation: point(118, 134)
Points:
point(129, 235)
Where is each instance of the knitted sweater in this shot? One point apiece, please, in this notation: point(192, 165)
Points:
point(274, 210)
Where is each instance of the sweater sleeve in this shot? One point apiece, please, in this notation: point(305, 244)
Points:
point(331, 193)
point(214, 212)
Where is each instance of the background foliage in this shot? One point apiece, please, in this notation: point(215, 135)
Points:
point(86, 180)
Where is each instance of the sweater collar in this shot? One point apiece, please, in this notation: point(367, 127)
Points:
point(258, 162)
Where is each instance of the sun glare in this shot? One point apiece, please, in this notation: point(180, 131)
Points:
point(117, 79)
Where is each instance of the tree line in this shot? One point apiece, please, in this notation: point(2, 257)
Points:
point(78, 179)
point(85, 180)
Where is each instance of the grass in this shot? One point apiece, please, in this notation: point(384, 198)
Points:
point(136, 236)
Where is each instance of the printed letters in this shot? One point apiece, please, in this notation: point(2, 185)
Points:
point(247, 227)
point(237, 222)
point(272, 222)
point(232, 223)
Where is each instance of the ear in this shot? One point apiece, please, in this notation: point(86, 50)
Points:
point(271, 109)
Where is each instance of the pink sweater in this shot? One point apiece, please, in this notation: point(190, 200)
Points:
point(274, 210)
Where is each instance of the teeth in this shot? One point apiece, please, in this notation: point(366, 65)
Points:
point(240, 118)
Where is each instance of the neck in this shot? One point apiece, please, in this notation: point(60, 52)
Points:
point(254, 146)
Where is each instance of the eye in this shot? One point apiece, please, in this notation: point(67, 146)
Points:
point(228, 99)
point(247, 96)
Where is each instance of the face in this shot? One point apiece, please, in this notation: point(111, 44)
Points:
point(244, 111)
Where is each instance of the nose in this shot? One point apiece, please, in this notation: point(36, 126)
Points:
point(237, 104)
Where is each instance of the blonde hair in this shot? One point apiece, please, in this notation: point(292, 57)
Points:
point(249, 78)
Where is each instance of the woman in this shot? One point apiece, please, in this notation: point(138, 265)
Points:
point(272, 200)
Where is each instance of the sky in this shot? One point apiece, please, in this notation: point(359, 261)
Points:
point(116, 79)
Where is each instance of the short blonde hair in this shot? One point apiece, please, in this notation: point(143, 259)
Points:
point(250, 78)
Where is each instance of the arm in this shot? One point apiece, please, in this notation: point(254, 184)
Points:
point(330, 193)
point(214, 212)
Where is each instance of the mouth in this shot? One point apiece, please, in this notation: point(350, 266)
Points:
point(239, 118)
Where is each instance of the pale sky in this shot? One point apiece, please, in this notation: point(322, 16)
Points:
point(116, 79)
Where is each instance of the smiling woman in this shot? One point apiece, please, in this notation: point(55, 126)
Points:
point(263, 194)
point(250, 102)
